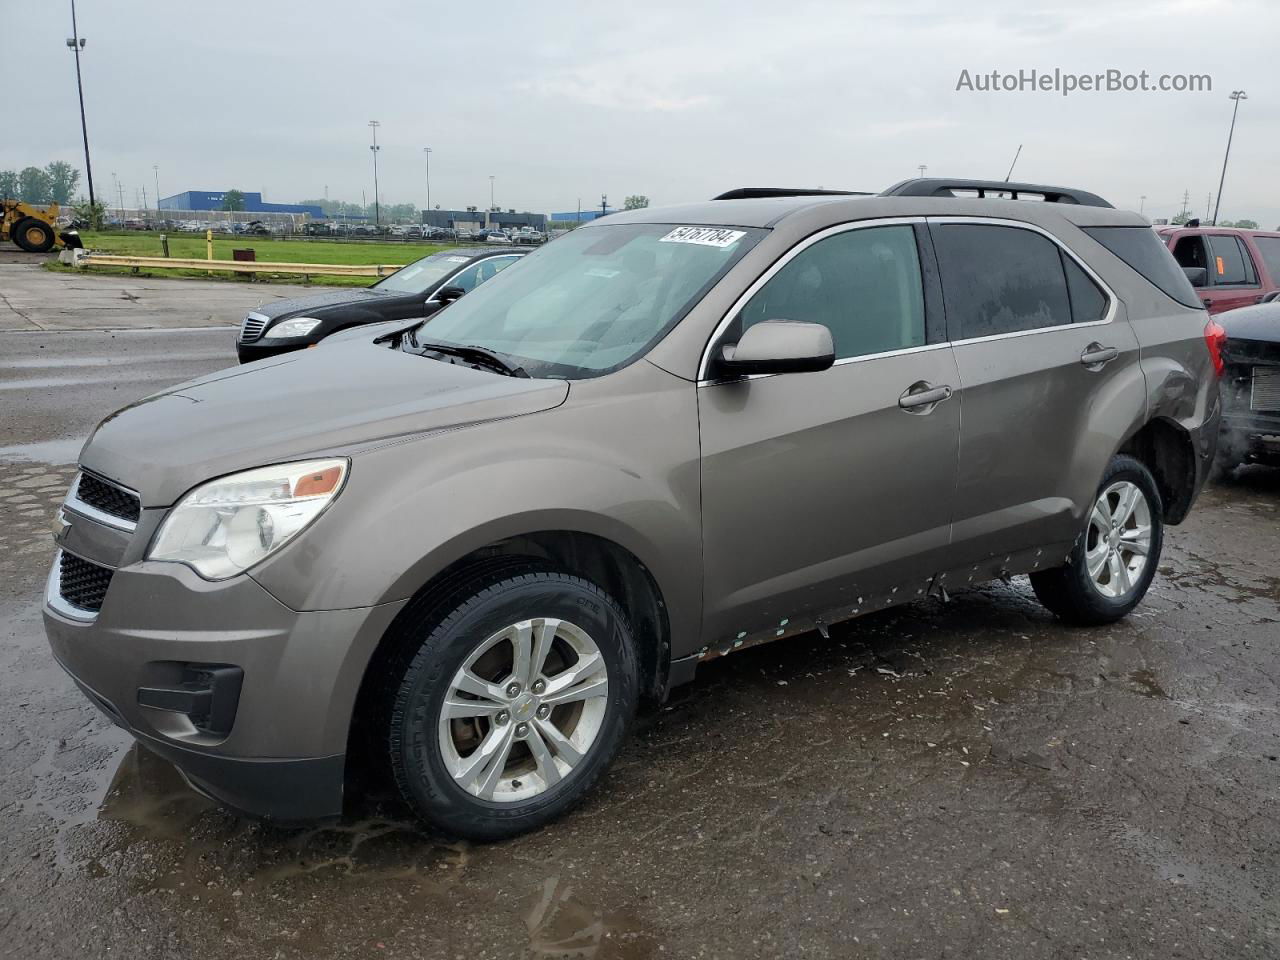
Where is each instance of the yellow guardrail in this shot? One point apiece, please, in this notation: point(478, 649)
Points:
point(240, 266)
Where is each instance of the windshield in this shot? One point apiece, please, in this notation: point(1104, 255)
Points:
point(421, 275)
point(595, 299)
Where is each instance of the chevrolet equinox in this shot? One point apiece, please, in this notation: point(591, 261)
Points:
point(468, 547)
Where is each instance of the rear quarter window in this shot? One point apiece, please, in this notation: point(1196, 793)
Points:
point(1269, 250)
point(1147, 254)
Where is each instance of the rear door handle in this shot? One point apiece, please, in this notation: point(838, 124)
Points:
point(922, 397)
point(1096, 355)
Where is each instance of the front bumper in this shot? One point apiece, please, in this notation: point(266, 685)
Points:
point(283, 754)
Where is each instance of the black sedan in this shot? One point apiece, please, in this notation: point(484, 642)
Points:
point(416, 290)
point(1250, 386)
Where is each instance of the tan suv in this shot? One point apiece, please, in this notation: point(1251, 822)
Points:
point(471, 546)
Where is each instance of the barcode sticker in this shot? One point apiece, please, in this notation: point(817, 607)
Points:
point(704, 236)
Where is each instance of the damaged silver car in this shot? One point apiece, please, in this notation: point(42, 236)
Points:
point(470, 547)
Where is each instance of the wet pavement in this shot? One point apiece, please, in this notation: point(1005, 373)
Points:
point(968, 779)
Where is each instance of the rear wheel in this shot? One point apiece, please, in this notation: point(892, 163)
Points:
point(34, 236)
point(514, 704)
point(1114, 561)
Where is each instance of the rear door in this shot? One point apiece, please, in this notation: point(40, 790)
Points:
point(830, 492)
point(1047, 364)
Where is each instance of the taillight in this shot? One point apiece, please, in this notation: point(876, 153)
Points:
point(1216, 337)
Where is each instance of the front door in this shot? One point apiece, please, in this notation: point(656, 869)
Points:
point(1231, 279)
point(826, 494)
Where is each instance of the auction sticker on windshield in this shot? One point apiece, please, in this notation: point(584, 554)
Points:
point(705, 236)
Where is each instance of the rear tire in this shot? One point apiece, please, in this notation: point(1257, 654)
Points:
point(33, 236)
point(516, 696)
point(1115, 559)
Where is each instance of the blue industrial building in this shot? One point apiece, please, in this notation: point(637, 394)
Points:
point(581, 216)
point(253, 203)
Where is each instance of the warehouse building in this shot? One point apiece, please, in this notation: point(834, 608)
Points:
point(253, 203)
point(483, 219)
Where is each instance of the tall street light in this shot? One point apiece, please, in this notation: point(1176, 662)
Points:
point(377, 213)
point(491, 203)
point(155, 168)
point(76, 43)
point(1237, 96)
point(426, 152)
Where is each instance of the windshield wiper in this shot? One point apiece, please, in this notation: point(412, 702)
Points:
point(474, 354)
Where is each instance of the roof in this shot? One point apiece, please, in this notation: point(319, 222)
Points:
point(769, 212)
point(1202, 228)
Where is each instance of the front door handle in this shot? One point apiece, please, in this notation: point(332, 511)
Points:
point(922, 397)
point(1096, 356)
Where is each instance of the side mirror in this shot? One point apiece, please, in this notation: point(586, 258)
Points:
point(449, 294)
point(1198, 276)
point(779, 346)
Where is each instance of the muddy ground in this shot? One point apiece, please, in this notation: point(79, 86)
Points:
point(969, 779)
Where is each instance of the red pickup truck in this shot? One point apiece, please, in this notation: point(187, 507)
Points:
point(1241, 267)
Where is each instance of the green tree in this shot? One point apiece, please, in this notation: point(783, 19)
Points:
point(93, 214)
point(34, 186)
point(63, 178)
point(1242, 224)
point(636, 202)
point(9, 184)
point(233, 200)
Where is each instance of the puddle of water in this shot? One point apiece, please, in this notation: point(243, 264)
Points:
point(66, 450)
point(1148, 685)
point(560, 926)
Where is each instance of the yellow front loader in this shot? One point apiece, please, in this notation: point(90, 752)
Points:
point(34, 229)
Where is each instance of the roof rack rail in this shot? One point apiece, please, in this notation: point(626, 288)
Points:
point(754, 193)
point(939, 187)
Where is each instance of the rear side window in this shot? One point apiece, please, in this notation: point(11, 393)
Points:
point(864, 285)
point(1227, 263)
point(1269, 248)
point(1088, 302)
point(1000, 280)
point(1146, 253)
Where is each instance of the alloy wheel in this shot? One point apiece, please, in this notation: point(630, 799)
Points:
point(523, 710)
point(1118, 539)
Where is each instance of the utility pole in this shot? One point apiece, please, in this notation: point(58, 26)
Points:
point(604, 204)
point(1186, 197)
point(1142, 202)
point(377, 212)
point(922, 168)
point(1237, 96)
point(155, 168)
point(77, 44)
point(426, 153)
point(492, 205)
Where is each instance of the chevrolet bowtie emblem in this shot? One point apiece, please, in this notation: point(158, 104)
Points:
point(59, 524)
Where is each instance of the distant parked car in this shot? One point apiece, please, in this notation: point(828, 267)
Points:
point(417, 290)
point(1240, 267)
point(1250, 386)
point(496, 236)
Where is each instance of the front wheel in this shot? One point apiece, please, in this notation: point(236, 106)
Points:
point(515, 703)
point(1115, 559)
point(33, 236)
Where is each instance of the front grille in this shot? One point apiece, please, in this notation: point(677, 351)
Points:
point(106, 496)
point(1266, 389)
point(81, 583)
point(251, 328)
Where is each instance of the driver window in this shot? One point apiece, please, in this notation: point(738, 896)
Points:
point(864, 285)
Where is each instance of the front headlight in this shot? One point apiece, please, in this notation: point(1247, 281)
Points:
point(227, 525)
point(297, 327)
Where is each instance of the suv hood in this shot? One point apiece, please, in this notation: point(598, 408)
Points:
point(308, 403)
point(317, 301)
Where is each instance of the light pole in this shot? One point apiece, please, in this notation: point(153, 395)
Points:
point(77, 44)
point(1142, 202)
point(426, 155)
point(155, 168)
point(922, 168)
point(377, 212)
point(1237, 96)
point(491, 203)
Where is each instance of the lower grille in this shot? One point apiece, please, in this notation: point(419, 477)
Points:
point(81, 583)
point(252, 326)
point(1265, 394)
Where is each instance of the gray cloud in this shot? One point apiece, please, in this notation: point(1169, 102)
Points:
point(569, 100)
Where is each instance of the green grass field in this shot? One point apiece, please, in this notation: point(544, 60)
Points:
point(267, 249)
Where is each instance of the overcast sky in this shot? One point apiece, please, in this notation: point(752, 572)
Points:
point(564, 100)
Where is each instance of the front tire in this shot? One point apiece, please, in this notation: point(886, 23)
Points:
point(1115, 559)
point(33, 236)
point(517, 699)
